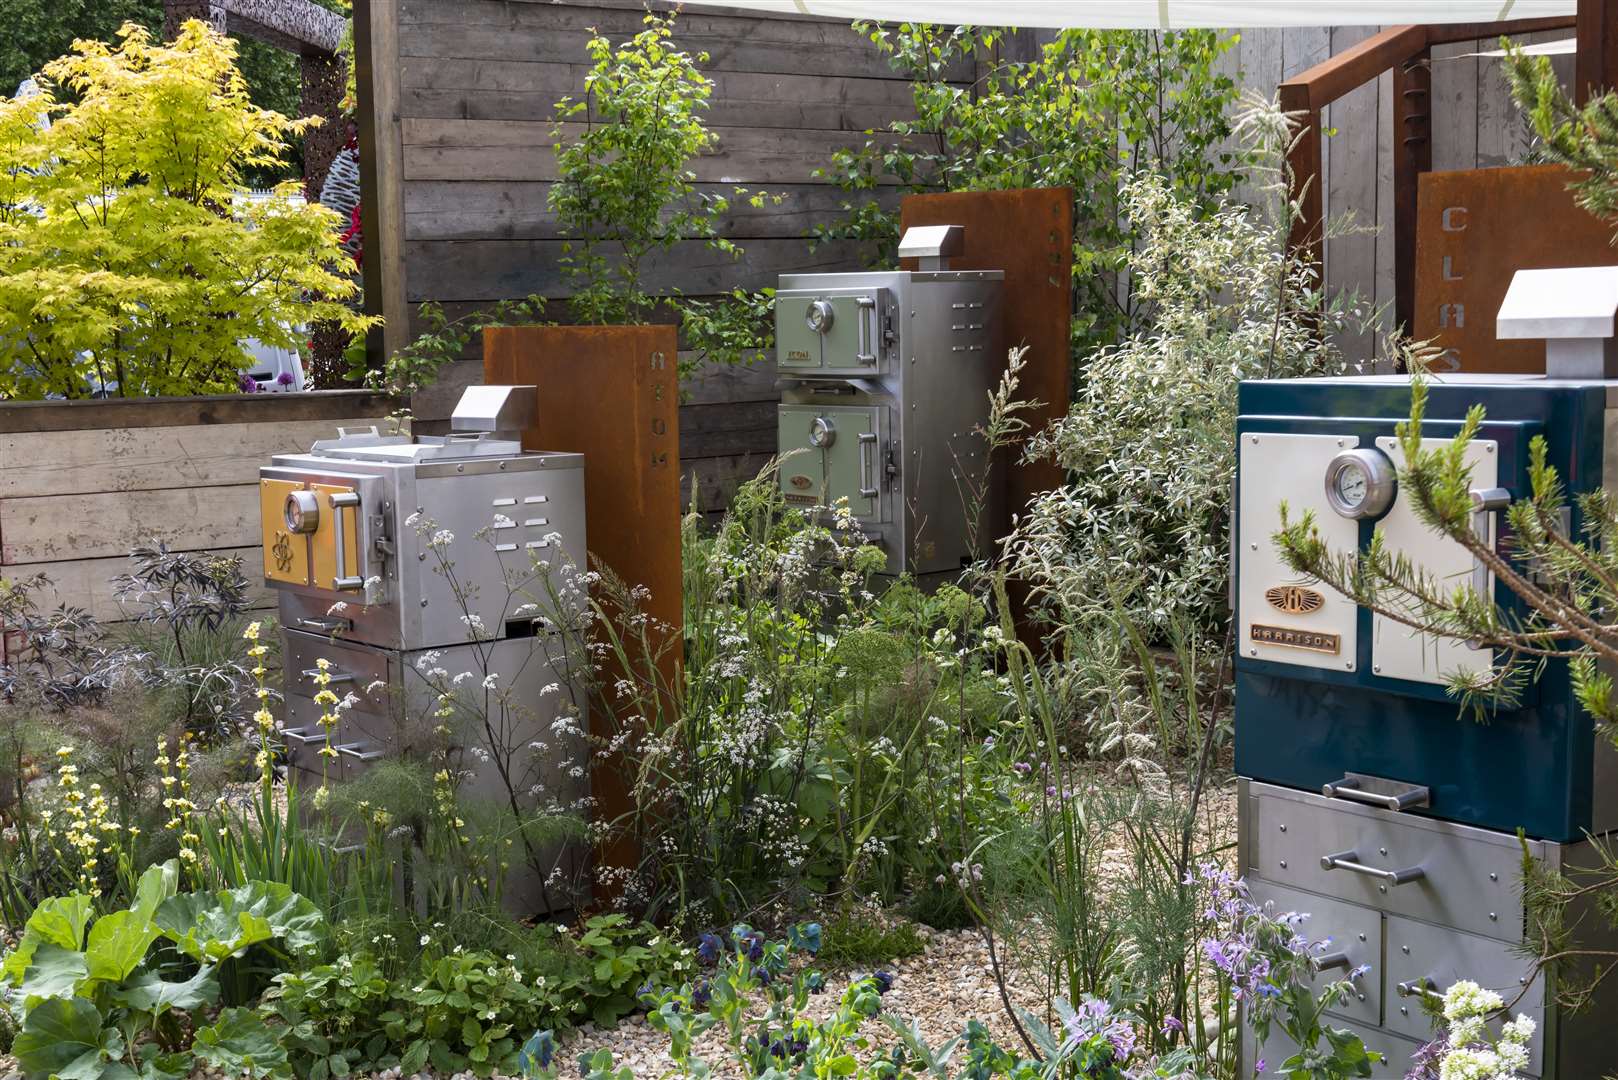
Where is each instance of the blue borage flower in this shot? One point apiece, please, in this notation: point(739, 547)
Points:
point(883, 980)
point(537, 1053)
point(709, 947)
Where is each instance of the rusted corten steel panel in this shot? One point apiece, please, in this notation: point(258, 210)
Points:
point(1477, 227)
point(1028, 233)
point(611, 394)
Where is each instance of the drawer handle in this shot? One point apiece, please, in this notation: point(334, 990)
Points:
point(304, 736)
point(359, 752)
point(1357, 788)
point(1349, 860)
point(325, 626)
point(336, 676)
point(1327, 961)
point(342, 580)
point(1422, 987)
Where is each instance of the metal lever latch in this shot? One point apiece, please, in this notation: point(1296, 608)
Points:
point(868, 465)
point(359, 751)
point(336, 676)
point(1349, 860)
point(1374, 791)
point(305, 736)
point(342, 580)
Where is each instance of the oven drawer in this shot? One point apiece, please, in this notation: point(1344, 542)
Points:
point(1354, 935)
point(360, 738)
point(1443, 873)
point(1426, 959)
point(366, 672)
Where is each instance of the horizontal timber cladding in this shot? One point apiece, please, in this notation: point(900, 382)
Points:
point(82, 483)
point(523, 151)
point(477, 82)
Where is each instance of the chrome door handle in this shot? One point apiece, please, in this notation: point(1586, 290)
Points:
point(1422, 987)
point(304, 736)
point(343, 581)
point(1485, 501)
point(1349, 860)
point(336, 676)
point(867, 464)
point(1356, 787)
point(359, 752)
point(867, 315)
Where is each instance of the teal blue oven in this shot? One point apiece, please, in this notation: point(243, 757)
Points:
point(1330, 696)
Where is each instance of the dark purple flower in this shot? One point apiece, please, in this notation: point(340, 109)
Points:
point(1022, 768)
point(284, 379)
point(701, 994)
point(709, 947)
point(246, 384)
point(883, 980)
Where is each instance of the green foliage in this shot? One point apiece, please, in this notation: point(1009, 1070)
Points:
point(458, 1010)
point(125, 264)
point(38, 31)
point(441, 342)
point(1584, 137)
point(97, 1002)
point(809, 748)
point(1149, 445)
point(863, 938)
point(624, 184)
point(1092, 111)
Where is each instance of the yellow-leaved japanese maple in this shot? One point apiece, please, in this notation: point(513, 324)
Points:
point(129, 260)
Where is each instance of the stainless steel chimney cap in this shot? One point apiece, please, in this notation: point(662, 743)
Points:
point(1573, 309)
point(496, 408)
point(932, 244)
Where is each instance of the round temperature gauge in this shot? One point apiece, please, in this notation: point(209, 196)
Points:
point(302, 512)
point(1360, 483)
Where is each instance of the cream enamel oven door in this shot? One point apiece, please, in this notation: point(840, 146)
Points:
point(1397, 652)
point(1283, 617)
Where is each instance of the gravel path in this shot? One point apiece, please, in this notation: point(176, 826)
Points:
point(944, 987)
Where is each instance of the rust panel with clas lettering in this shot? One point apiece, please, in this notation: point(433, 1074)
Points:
point(611, 393)
point(1028, 233)
point(1474, 229)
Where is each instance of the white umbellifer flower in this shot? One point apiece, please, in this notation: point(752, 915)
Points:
point(441, 538)
point(1466, 998)
point(490, 679)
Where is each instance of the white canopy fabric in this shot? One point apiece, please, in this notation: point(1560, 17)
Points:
point(1163, 14)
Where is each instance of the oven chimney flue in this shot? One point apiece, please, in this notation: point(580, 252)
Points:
point(1573, 309)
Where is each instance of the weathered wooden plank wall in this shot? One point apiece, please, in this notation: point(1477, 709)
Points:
point(473, 87)
point(81, 483)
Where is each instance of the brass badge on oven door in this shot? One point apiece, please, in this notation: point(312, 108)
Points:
point(1294, 599)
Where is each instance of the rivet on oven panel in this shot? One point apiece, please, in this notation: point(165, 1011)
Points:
point(1381, 888)
point(1494, 877)
point(502, 466)
point(1404, 1010)
point(1405, 949)
point(421, 556)
point(460, 468)
point(1362, 937)
point(1252, 652)
point(1283, 864)
point(424, 601)
point(1377, 668)
point(1254, 440)
point(1382, 851)
point(1283, 828)
point(1493, 917)
point(1361, 997)
point(1253, 546)
point(1522, 980)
